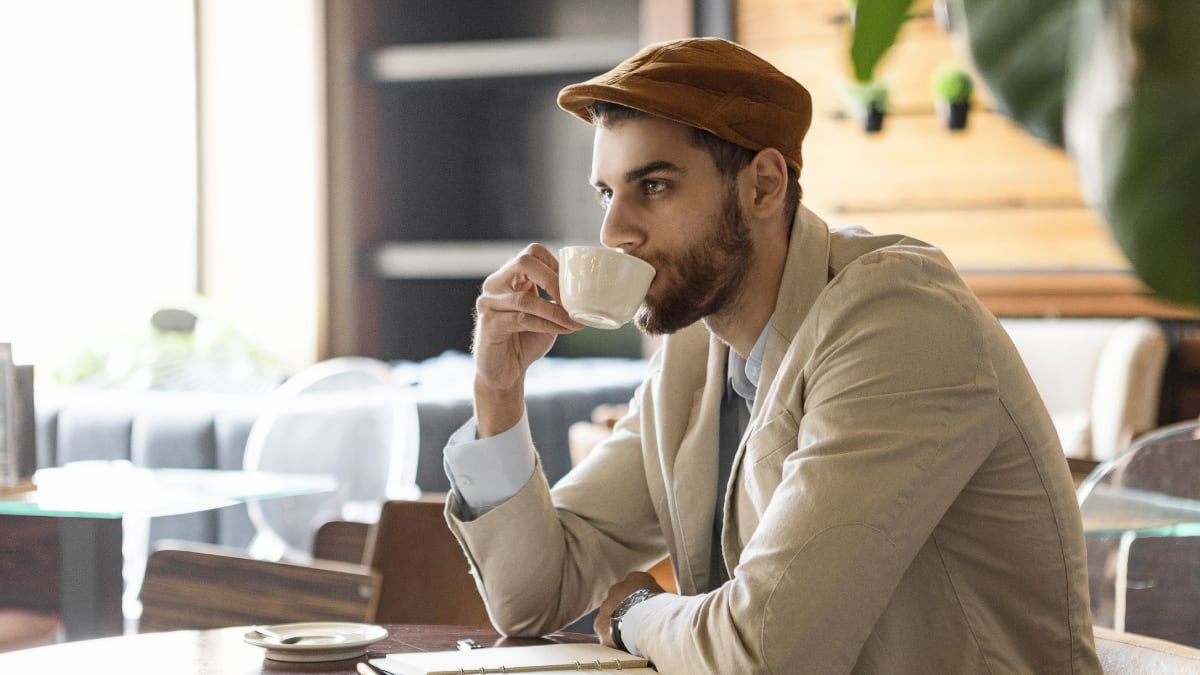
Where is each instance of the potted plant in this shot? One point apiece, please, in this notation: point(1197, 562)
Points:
point(867, 102)
point(952, 89)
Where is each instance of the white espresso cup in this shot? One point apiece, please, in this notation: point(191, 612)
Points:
point(602, 287)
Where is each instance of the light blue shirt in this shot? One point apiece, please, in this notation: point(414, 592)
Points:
point(486, 472)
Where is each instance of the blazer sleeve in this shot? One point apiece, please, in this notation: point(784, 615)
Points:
point(545, 558)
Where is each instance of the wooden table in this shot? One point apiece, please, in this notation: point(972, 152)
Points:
point(222, 651)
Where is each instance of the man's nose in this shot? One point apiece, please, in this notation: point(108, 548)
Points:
point(619, 229)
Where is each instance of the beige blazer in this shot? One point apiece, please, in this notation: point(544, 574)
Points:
point(900, 503)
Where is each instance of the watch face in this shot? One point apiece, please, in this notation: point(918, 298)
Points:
point(614, 624)
point(631, 600)
point(625, 604)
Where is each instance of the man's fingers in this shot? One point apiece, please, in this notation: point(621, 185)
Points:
point(499, 326)
point(534, 267)
point(533, 311)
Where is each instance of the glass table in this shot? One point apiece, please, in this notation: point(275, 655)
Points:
point(106, 507)
point(1112, 510)
point(1141, 518)
point(1142, 547)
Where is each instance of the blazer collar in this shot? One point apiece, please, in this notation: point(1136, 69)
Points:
point(805, 274)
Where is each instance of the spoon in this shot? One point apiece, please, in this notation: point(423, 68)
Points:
point(268, 633)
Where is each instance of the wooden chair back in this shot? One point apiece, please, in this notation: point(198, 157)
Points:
point(343, 541)
point(417, 573)
point(197, 586)
point(424, 572)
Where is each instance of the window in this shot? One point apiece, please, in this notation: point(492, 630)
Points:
point(101, 179)
point(97, 171)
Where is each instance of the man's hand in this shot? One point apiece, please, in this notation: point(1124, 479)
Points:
point(514, 326)
point(616, 594)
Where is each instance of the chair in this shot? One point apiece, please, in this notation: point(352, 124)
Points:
point(1099, 378)
point(345, 417)
point(342, 540)
point(196, 586)
point(417, 574)
point(1141, 511)
point(1133, 654)
point(586, 435)
point(426, 578)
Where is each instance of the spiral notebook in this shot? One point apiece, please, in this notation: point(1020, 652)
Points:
point(556, 658)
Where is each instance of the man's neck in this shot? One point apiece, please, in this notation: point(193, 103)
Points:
point(737, 329)
point(740, 325)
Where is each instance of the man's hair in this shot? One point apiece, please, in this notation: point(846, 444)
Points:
point(730, 158)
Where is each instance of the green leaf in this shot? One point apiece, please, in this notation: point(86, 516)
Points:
point(1134, 132)
point(876, 24)
point(1020, 49)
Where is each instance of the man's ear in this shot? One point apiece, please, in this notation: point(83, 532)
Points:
point(770, 182)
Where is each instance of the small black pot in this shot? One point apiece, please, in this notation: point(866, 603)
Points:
point(954, 114)
point(873, 122)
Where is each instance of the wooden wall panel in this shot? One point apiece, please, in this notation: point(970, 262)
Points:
point(917, 164)
point(1000, 237)
point(1001, 203)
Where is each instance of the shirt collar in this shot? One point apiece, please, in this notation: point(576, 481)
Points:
point(744, 374)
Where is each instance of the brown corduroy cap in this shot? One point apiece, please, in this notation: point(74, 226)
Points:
point(709, 83)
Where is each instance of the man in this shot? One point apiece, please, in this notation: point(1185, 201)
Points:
point(837, 445)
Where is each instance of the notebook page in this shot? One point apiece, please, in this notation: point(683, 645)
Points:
point(529, 659)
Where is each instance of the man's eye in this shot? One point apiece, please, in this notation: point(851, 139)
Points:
point(653, 187)
point(604, 197)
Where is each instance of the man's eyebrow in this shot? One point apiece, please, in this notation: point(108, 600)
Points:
point(653, 167)
point(641, 172)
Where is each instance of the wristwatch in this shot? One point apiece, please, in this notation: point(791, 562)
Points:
point(618, 615)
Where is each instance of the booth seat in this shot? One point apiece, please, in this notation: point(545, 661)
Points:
point(209, 430)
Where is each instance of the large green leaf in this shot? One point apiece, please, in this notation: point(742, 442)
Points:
point(1020, 49)
point(876, 24)
point(1134, 132)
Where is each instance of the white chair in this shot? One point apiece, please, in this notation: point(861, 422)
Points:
point(344, 417)
point(1099, 378)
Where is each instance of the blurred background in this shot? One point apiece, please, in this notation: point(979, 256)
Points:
point(309, 179)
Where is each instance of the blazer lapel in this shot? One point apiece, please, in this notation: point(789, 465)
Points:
point(692, 472)
point(805, 275)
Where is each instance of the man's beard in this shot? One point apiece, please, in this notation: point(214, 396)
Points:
point(706, 278)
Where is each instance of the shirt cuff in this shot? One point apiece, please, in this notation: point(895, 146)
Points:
point(486, 472)
point(633, 619)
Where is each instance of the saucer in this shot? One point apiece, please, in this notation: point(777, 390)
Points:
point(322, 641)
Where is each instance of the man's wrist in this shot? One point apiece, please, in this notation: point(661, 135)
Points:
point(497, 409)
point(623, 607)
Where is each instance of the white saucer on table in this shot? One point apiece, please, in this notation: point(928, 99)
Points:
point(321, 640)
